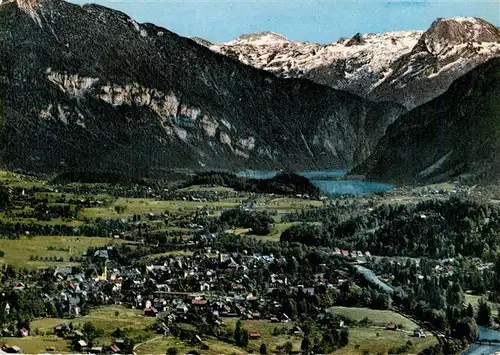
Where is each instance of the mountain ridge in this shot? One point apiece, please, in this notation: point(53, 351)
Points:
point(456, 135)
point(87, 87)
point(376, 66)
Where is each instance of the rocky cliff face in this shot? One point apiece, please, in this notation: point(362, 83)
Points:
point(446, 51)
point(455, 135)
point(408, 67)
point(88, 88)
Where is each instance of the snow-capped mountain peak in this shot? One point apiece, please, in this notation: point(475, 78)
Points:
point(259, 39)
point(377, 65)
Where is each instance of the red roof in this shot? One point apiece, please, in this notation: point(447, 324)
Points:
point(199, 302)
point(115, 348)
point(254, 334)
point(345, 252)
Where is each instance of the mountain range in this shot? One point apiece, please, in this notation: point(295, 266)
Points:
point(88, 88)
point(408, 67)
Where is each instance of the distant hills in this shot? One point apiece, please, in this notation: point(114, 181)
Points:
point(455, 135)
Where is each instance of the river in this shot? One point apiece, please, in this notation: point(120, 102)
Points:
point(329, 187)
point(484, 333)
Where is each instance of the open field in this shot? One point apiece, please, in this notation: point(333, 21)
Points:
point(131, 320)
point(103, 317)
point(159, 345)
point(19, 180)
point(200, 188)
point(265, 328)
point(285, 204)
point(109, 318)
point(273, 237)
point(51, 222)
point(376, 339)
point(381, 341)
point(52, 197)
point(143, 206)
point(474, 301)
point(18, 252)
point(38, 344)
point(378, 317)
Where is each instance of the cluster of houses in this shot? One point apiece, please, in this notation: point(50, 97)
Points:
point(67, 332)
point(173, 288)
point(417, 332)
point(353, 254)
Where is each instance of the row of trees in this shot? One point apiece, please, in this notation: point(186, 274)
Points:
point(437, 229)
point(260, 223)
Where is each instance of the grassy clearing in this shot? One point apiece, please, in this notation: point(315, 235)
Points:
point(474, 301)
point(38, 344)
point(201, 188)
point(173, 253)
point(378, 317)
point(380, 341)
point(18, 252)
point(52, 197)
point(159, 345)
point(144, 206)
point(132, 321)
point(103, 317)
point(273, 237)
point(286, 204)
point(52, 222)
point(218, 347)
point(19, 180)
point(266, 328)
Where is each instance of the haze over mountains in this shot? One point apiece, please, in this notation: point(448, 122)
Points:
point(88, 88)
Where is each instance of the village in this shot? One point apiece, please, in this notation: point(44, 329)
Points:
point(201, 286)
point(203, 270)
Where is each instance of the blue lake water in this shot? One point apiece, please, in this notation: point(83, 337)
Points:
point(338, 187)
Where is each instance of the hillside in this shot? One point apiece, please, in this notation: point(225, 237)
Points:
point(408, 67)
point(456, 134)
point(88, 88)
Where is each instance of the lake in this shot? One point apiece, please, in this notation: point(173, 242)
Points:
point(329, 187)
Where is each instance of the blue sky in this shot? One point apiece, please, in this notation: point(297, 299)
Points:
point(307, 20)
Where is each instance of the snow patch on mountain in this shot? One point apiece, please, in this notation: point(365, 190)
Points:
point(337, 64)
point(374, 65)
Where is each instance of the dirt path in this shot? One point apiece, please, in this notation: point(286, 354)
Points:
point(145, 342)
